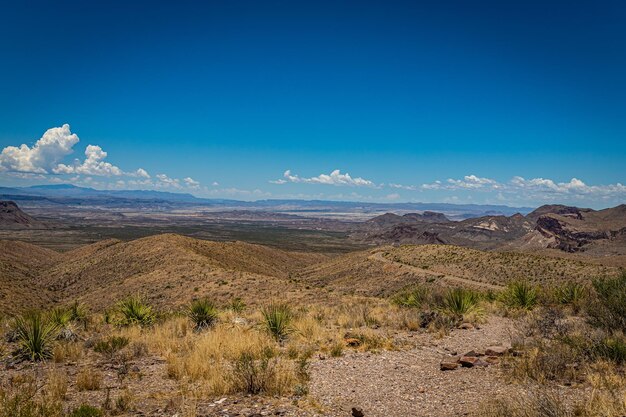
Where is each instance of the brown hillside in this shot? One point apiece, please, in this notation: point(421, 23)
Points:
point(12, 217)
point(171, 269)
point(20, 264)
point(386, 270)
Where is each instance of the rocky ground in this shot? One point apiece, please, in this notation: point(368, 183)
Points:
point(410, 383)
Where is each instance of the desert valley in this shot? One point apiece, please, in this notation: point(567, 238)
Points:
point(145, 305)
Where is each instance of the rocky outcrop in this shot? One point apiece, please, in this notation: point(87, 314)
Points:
point(12, 217)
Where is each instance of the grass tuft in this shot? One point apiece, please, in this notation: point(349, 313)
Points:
point(520, 294)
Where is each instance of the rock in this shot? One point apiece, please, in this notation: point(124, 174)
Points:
point(472, 353)
point(492, 360)
point(466, 326)
point(449, 364)
point(468, 361)
point(496, 350)
point(481, 362)
point(357, 412)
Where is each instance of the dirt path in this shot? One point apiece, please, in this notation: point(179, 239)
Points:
point(410, 383)
point(378, 256)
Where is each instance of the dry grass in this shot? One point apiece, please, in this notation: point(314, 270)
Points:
point(88, 379)
point(67, 352)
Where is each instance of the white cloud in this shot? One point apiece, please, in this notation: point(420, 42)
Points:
point(163, 181)
point(141, 173)
point(191, 183)
point(45, 154)
point(93, 164)
point(334, 178)
point(403, 187)
point(534, 189)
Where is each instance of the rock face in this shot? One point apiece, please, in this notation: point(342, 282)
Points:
point(570, 229)
point(12, 217)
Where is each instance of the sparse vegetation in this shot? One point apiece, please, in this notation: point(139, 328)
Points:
point(111, 345)
point(135, 311)
point(35, 336)
point(459, 302)
point(608, 306)
point(521, 295)
point(277, 320)
point(202, 313)
point(411, 298)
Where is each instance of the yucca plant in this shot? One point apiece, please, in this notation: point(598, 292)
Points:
point(203, 313)
point(35, 336)
point(135, 310)
point(607, 308)
point(237, 305)
point(570, 293)
point(277, 319)
point(520, 294)
point(460, 301)
point(413, 298)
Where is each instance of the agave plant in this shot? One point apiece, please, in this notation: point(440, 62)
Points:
point(135, 310)
point(277, 319)
point(35, 336)
point(520, 294)
point(460, 301)
point(203, 313)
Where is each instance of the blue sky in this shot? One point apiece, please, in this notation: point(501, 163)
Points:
point(517, 103)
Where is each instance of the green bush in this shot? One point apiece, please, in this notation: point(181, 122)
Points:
point(86, 411)
point(460, 301)
point(277, 319)
point(135, 311)
point(35, 336)
point(254, 374)
point(607, 308)
point(520, 294)
point(203, 313)
point(570, 293)
point(412, 298)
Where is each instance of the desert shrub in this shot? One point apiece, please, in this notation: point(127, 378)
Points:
point(459, 302)
point(35, 336)
point(202, 313)
point(253, 374)
point(60, 316)
point(88, 380)
point(20, 399)
point(607, 308)
point(613, 348)
point(336, 349)
point(520, 294)
point(86, 411)
point(135, 310)
point(570, 293)
point(411, 298)
point(78, 313)
point(277, 319)
point(237, 305)
point(111, 345)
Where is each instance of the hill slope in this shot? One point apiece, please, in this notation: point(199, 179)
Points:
point(12, 217)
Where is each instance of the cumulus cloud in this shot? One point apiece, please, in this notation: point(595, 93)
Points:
point(55, 144)
point(163, 181)
point(191, 183)
point(334, 178)
point(93, 164)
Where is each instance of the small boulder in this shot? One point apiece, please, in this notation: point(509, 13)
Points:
point(492, 360)
point(449, 363)
point(496, 350)
point(466, 326)
point(468, 361)
point(357, 412)
point(352, 342)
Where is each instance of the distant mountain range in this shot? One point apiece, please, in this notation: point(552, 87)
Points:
point(71, 194)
